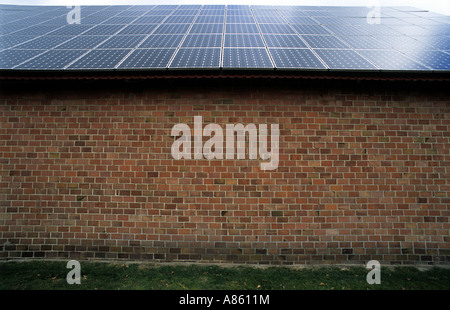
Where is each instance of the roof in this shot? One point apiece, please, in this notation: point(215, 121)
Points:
point(222, 40)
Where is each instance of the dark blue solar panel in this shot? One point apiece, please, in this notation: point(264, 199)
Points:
point(71, 30)
point(390, 60)
point(13, 57)
point(344, 59)
point(242, 28)
point(183, 19)
point(172, 29)
point(246, 58)
point(243, 40)
point(149, 20)
point(82, 42)
point(435, 60)
point(310, 29)
point(104, 30)
point(196, 58)
point(238, 19)
point(206, 28)
point(36, 30)
point(295, 58)
point(147, 58)
point(121, 41)
point(100, 59)
point(45, 42)
point(159, 41)
point(324, 41)
point(284, 41)
point(8, 41)
point(202, 40)
point(138, 29)
point(51, 60)
point(276, 29)
point(210, 19)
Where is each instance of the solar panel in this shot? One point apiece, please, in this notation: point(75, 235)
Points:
point(160, 41)
point(310, 29)
point(138, 29)
point(242, 28)
point(45, 42)
point(343, 59)
point(243, 40)
point(202, 40)
point(147, 58)
point(82, 42)
point(324, 41)
point(246, 58)
point(223, 36)
point(52, 59)
point(206, 28)
point(100, 59)
point(122, 41)
point(435, 60)
point(172, 29)
point(391, 60)
point(296, 58)
point(284, 41)
point(13, 57)
point(196, 58)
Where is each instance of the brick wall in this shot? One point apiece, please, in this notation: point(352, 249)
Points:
point(86, 172)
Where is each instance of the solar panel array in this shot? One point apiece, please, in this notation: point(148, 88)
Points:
point(160, 37)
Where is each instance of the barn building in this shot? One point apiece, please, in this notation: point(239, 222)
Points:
point(225, 133)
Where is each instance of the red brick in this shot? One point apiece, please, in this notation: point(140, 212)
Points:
point(363, 173)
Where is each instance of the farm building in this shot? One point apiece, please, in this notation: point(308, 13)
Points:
point(225, 133)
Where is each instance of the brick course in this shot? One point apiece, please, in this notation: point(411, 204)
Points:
point(86, 172)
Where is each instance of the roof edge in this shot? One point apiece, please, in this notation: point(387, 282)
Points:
point(420, 76)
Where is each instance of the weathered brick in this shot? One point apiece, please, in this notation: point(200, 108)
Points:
point(361, 175)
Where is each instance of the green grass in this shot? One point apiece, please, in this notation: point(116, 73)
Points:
point(45, 275)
